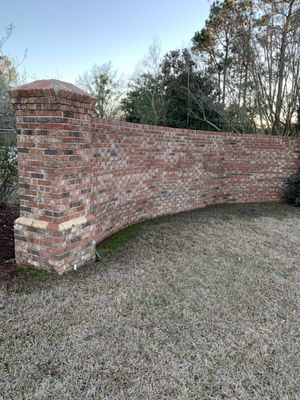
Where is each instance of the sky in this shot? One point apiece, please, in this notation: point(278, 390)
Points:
point(64, 38)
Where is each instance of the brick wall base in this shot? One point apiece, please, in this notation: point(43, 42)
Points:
point(56, 248)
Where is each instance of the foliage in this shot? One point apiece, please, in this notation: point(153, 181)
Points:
point(8, 174)
point(8, 138)
point(241, 74)
point(170, 95)
point(145, 100)
point(252, 50)
point(183, 82)
point(291, 191)
point(8, 75)
point(102, 83)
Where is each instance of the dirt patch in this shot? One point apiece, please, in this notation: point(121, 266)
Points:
point(202, 306)
point(8, 215)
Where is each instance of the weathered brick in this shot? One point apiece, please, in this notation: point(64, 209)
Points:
point(105, 175)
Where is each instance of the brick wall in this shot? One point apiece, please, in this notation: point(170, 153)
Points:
point(82, 178)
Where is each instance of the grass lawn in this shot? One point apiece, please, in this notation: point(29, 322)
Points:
point(203, 305)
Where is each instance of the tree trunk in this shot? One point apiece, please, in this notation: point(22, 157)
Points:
point(281, 68)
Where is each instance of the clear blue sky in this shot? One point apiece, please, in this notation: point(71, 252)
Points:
point(64, 37)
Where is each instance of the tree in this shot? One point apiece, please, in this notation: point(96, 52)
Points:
point(215, 42)
point(103, 83)
point(275, 63)
point(242, 73)
point(8, 76)
point(167, 94)
point(252, 48)
point(145, 100)
point(192, 97)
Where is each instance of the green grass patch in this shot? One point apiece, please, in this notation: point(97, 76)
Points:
point(160, 301)
point(114, 242)
point(32, 273)
point(158, 220)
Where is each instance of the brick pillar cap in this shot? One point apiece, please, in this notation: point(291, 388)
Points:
point(51, 88)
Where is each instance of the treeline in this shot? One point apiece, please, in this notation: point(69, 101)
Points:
point(241, 74)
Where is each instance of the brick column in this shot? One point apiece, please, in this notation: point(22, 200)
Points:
point(56, 230)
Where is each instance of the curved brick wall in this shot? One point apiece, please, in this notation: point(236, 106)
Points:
point(141, 171)
point(82, 178)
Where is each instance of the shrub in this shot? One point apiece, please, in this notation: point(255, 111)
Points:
point(291, 191)
point(8, 174)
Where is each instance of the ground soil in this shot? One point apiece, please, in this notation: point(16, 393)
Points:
point(8, 215)
point(202, 306)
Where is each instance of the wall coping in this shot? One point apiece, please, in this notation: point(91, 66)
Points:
point(119, 124)
point(52, 88)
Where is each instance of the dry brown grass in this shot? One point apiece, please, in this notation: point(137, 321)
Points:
point(204, 306)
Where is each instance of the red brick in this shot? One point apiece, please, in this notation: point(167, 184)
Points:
point(115, 173)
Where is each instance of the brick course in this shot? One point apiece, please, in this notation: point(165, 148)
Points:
point(82, 178)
